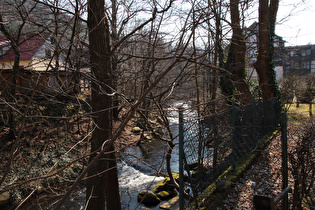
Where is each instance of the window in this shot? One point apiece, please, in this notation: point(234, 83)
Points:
point(306, 65)
point(52, 82)
point(303, 53)
point(47, 53)
point(52, 40)
point(4, 47)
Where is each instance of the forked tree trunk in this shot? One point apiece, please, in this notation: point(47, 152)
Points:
point(103, 184)
point(236, 60)
point(264, 65)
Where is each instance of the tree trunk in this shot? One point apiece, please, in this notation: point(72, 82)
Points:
point(103, 185)
point(264, 64)
point(236, 60)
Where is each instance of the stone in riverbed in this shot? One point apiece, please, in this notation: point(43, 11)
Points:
point(165, 195)
point(39, 189)
point(4, 198)
point(136, 129)
point(147, 136)
point(148, 198)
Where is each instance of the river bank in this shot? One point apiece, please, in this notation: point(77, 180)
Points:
point(52, 153)
point(48, 157)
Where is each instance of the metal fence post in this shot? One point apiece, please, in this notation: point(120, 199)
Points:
point(181, 158)
point(234, 133)
point(273, 114)
point(284, 145)
point(254, 123)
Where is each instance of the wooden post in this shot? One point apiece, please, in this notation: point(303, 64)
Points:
point(269, 203)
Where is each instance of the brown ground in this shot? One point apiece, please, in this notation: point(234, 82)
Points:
point(43, 149)
point(264, 177)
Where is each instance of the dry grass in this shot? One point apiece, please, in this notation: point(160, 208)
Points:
point(298, 115)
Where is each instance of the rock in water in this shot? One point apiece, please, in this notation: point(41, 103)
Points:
point(166, 184)
point(148, 198)
point(165, 195)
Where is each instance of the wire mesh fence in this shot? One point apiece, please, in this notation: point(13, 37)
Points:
point(215, 146)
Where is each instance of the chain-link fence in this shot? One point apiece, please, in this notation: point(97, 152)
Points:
point(214, 147)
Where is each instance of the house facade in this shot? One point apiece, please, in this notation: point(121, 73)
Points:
point(299, 60)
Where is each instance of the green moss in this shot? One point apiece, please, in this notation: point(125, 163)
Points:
point(210, 189)
point(165, 195)
point(166, 184)
point(175, 175)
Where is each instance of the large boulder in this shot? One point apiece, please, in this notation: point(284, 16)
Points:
point(148, 198)
point(166, 184)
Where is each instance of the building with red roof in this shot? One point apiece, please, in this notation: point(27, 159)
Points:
point(36, 61)
point(35, 52)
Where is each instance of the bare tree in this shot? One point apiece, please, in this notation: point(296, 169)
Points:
point(304, 91)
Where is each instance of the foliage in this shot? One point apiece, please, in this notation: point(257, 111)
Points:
point(253, 85)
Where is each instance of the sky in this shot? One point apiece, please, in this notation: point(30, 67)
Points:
point(296, 22)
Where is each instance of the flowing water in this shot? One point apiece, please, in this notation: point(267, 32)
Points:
point(136, 175)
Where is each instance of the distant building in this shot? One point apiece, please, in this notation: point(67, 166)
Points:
point(36, 51)
point(299, 60)
point(251, 38)
point(36, 61)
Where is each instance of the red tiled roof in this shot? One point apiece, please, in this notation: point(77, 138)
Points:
point(3, 42)
point(28, 45)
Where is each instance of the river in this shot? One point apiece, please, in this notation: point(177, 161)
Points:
point(134, 175)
